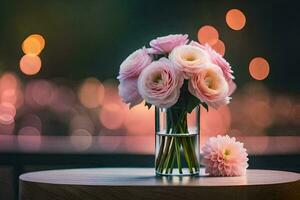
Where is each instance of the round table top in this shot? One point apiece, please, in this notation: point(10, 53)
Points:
point(146, 177)
point(141, 183)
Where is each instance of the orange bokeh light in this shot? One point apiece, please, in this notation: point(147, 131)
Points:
point(30, 64)
point(111, 93)
point(91, 93)
point(219, 47)
point(259, 68)
point(208, 34)
point(33, 44)
point(10, 91)
point(235, 19)
point(112, 116)
point(8, 81)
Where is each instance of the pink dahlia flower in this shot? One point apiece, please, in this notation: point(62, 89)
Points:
point(160, 83)
point(166, 44)
point(224, 156)
point(217, 59)
point(133, 65)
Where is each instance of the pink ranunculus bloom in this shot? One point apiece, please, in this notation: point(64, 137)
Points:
point(224, 156)
point(160, 83)
point(217, 59)
point(189, 59)
point(167, 43)
point(133, 65)
point(210, 86)
point(129, 93)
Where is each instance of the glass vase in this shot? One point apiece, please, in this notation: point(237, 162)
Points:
point(177, 149)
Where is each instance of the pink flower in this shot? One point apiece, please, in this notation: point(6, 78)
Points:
point(224, 156)
point(210, 86)
point(217, 59)
point(130, 69)
point(160, 83)
point(133, 65)
point(166, 44)
point(189, 59)
point(129, 92)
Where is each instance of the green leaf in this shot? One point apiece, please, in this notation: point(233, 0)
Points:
point(192, 102)
point(148, 105)
point(205, 105)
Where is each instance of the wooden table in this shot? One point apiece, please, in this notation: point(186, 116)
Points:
point(141, 184)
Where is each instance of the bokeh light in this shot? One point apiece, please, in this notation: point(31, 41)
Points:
point(235, 19)
point(208, 34)
point(219, 47)
point(10, 90)
point(10, 100)
point(81, 139)
point(39, 93)
point(7, 113)
point(29, 138)
point(91, 93)
point(30, 64)
point(112, 116)
point(259, 68)
point(8, 81)
point(31, 120)
point(42, 91)
point(33, 44)
point(111, 94)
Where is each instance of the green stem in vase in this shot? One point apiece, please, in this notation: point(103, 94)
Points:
point(169, 167)
point(192, 150)
point(170, 153)
point(186, 154)
point(177, 147)
point(186, 151)
point(164, 155)
point(161, 148)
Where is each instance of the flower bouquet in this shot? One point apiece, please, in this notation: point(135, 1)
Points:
point(176, 76)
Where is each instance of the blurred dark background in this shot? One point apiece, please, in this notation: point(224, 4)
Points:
point(68, 113)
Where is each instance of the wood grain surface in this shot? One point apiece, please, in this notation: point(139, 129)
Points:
point(141, 183)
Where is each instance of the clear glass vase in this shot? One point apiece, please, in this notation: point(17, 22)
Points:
point(177, 149)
